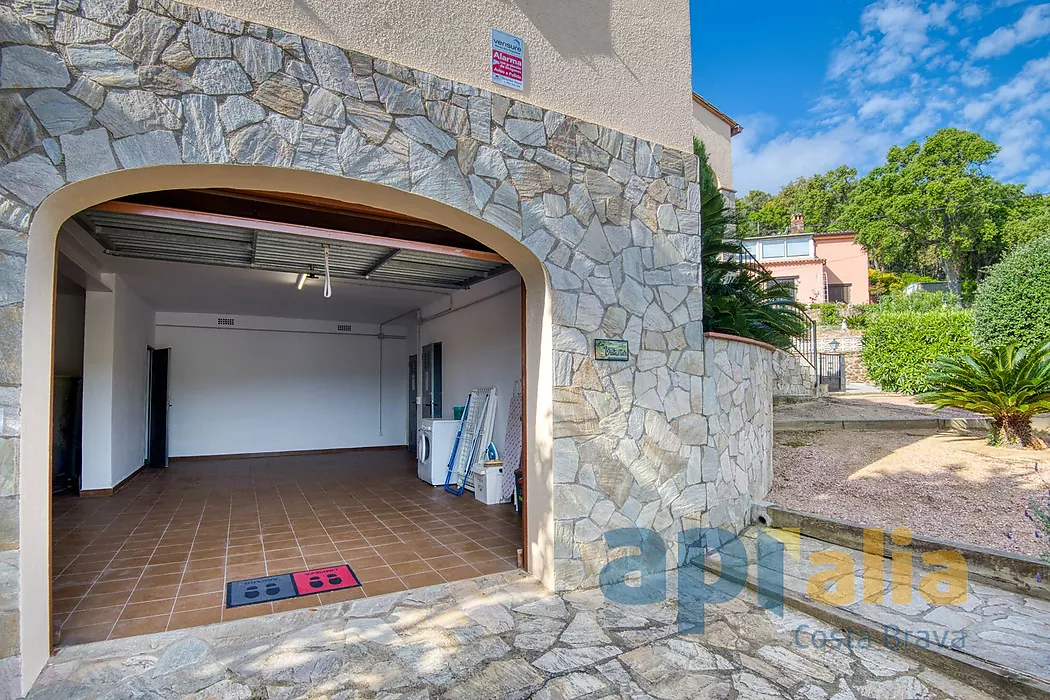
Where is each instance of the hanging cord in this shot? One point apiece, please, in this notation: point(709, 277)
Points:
point(327, 275)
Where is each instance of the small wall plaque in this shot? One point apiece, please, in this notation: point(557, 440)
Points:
point(611, 350)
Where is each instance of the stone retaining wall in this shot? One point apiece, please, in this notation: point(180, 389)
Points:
point(738, 405)
point(792, 376)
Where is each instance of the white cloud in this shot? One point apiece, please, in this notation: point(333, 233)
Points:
point(976, 110)
point(1017, 139)
point(926, 121)
point(770, 164)
point(1039, 181)
point(970, 12)
point(1033, 24)
point(1031, 80)
point(973, 76)
point(894, 37)
point(893, 110)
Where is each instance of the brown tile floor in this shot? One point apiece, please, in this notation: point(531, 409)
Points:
point(157, 555)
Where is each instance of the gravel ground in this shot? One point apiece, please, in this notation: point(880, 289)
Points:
point(944, 485)
point(863, 407)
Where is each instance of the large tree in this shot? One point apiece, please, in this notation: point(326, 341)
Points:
point(931, 207)
point(820, 198)
point(1028, 219)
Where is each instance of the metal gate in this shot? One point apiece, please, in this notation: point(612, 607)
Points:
point(831, 370)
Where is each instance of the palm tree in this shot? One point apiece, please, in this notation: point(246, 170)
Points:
point(740, 297)
point(1007, 384)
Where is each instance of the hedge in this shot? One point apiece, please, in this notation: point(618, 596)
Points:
point(1012, 305)
point(900, 347)
point(830, 313)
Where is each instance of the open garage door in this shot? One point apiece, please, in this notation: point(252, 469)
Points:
point(287, 408)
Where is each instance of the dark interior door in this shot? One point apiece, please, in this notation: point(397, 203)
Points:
point(413, 393)
point(158, 408)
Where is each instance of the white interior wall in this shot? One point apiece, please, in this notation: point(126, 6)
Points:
point(97, 441)
point(279, 385)
point(118, 328)
point(133, 334)
point(69, 335)
point(480, 344)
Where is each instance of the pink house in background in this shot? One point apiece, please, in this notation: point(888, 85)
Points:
point(821, 267)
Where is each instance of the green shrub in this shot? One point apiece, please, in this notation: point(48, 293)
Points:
point(830, 314)
point(920, 302)
point(881, 283)
point(1012, 305)
point(857, 317)
point(900, 347)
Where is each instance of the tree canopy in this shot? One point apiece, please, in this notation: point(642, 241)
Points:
point(932, 204)
point(821, 198)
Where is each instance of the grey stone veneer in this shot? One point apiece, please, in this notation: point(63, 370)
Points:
point(793, 376)
point(96, 86)
point(738, 404)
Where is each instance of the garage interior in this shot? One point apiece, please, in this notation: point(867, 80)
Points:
point(226, 409)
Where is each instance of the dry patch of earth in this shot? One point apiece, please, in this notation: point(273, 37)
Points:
point(945, 485)
point(882, 406)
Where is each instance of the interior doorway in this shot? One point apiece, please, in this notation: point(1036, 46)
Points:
point(157, 407)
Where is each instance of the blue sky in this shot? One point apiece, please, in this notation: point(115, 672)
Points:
point(818, 84)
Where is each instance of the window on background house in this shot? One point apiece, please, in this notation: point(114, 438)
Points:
point(838, 293)
point(798, 247)
point(751, 247)
point(789, 285)
point(774, 249)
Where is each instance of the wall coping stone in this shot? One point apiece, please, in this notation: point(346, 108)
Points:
point(739, 339)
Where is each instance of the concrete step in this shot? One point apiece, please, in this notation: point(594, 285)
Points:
point(993, 639)
point(945, 425)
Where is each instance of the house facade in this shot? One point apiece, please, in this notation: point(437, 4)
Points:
point(716, 130)
point(820, 267)
point(255, 141)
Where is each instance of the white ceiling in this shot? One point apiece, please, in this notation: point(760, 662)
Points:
point(183, 287)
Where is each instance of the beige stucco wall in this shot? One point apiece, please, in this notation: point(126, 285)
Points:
point(717, 137)
point(847, 263)
point(809, 283)
point(619, 63)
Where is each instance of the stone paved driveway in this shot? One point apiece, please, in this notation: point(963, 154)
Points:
point(501, 636)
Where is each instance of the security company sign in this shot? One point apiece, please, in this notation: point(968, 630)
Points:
point(508, 60)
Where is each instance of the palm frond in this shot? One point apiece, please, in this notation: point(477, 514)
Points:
point(1008, 384)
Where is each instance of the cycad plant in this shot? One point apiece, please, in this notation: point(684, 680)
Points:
point(740, 297)
point(1008, 384)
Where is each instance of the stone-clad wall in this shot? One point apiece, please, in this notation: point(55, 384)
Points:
point(95, 86)
point(738, 404)
point(792, 376)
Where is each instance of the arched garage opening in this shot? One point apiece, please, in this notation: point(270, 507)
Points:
point(39, 344)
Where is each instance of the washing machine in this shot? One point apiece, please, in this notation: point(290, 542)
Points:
point(434, 448)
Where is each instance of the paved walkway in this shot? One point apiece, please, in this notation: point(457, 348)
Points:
point(1004, 629)
point(500, 636)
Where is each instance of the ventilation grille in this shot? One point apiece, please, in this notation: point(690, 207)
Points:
point(344, 327)
point(224, 322)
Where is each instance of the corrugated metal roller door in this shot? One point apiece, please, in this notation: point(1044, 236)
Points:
point(155, 238)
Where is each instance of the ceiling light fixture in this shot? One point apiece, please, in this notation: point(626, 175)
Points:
point(300, 281)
